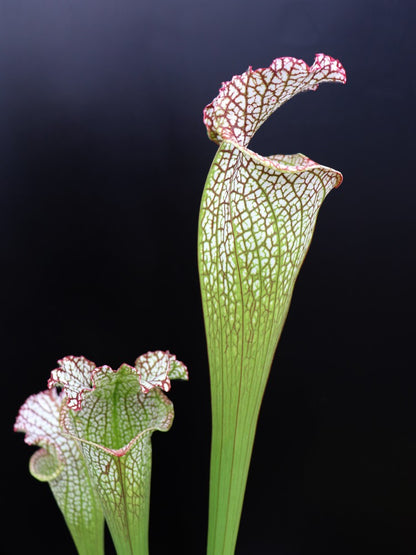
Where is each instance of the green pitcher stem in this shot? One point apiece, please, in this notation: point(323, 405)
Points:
point(129, 521)
point(234, 423)
point(88, 538)
point(230, 461)
point(91, 543)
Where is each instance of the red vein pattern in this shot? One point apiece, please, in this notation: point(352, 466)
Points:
point(38, 418)
point(245, 102)
point(79, 376)
point(157, 368)
point(256, 222)
point(96, 443)
point(59, 462)
point(114, 429)
point(74, 375)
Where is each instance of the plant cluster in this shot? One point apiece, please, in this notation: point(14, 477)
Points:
point(256, 222)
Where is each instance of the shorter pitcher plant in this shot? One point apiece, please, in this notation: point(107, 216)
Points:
point(95, 439)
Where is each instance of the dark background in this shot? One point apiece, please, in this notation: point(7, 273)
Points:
point(103, 158)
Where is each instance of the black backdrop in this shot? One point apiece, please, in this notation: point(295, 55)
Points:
point(103, 157)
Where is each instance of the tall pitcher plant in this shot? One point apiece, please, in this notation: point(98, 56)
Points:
point(256, 223)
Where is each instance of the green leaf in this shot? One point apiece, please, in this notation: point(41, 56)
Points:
point(114, 415)
point(60, 463)
point(96, 450)
point(256, 222)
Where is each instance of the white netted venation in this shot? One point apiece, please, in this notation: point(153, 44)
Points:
point(257, 214)
point(78, 376)
point(95, 439)
point(59, 462)
point(157, 368)
point(256, 223)
point(245, 102)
